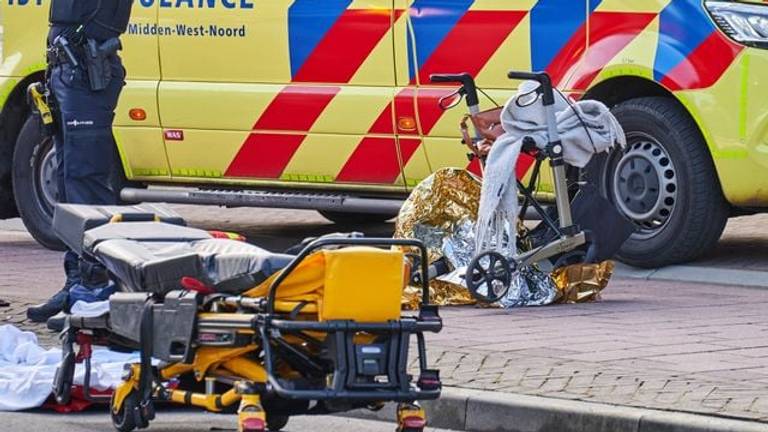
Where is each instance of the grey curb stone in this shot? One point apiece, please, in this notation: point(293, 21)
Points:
point(483, 411)
point(696, 274)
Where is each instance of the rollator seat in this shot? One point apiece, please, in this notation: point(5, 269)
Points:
point(155, 256)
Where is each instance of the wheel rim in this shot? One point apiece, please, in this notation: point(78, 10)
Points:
point(644, 184)
point(45, 177)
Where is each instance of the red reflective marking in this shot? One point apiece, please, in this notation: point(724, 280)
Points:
point(705, 65)
point(609, 33)
point(383, 124)
point(429, 109)
point(408, 147)
point(373, 161)
point(347, 44)
point(524, 163)
point(296, 108)
point(475, 167)
point(568, 57)
point(264, 155)
point(471, 43)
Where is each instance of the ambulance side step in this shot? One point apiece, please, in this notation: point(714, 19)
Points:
point(256, 198)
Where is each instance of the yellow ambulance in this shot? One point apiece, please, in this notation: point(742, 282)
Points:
point(326, 104)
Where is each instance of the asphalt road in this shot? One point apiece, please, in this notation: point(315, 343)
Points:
point(178, 421)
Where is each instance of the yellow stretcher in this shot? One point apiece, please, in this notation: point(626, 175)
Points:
point(266, 336)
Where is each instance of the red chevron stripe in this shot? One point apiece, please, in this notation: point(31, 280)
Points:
point(264, 155)
point(471, 43)
point(609, 33)
point(475, 168)
point(705, 65)
point(568, 57)
point(524, 163)
point(347, 44)
point(296, 108)
point(429, 110)
point(383, 124)
point(375, 160)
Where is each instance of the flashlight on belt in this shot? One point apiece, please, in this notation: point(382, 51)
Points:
point(36, 99)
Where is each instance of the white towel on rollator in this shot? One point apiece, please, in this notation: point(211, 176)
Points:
point(585, 127)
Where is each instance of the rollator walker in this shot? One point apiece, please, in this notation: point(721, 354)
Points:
point(229, 327)
point(560, 239)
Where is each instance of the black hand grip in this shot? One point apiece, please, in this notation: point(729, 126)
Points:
point(547, 94)
point(465, 79)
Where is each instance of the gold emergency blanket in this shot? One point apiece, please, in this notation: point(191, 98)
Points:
point(582, 283)
point(435, 209)
point(439, 210)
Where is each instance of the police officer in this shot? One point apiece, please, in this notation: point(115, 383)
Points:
point(85, 77)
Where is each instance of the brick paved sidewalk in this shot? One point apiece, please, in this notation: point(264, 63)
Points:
point(673, 346)
point(680, 347)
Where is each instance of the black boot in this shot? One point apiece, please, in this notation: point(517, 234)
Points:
point(54, 305)
point(57, 303)
point(56, 322)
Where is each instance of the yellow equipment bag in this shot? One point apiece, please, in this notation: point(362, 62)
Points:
point(363, 284)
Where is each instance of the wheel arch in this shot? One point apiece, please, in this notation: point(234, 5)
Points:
point(12, 117)
point(617, 90)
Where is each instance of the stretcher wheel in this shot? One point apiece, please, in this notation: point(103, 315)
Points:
point(124, 420)
point(489, 276)
point(276, 423)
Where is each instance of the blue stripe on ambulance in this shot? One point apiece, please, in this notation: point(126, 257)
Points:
point(684, 26)
point(308, 22)
point(553, 24)
point(431, 22)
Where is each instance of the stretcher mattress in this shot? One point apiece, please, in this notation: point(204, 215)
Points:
point(146, 254)
point(158, 266)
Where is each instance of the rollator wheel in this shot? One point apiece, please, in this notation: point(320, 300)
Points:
point(276, 422)
point(124, 420)
point(489, 276)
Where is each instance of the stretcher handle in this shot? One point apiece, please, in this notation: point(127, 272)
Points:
point(469, 88)
point(547, 94)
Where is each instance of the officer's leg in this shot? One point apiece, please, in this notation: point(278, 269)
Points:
point(88, 145)
point(85, 149)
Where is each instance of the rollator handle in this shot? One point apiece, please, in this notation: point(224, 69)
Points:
point(547, 94)
point(467, 82)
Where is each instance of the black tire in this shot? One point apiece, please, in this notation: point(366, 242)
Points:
point(7, 204)
point(665, 153)
point(33, 150)
point(124, 420)
point(276, 422)
point(343, 218)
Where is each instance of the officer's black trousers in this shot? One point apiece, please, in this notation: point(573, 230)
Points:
point(85, 146)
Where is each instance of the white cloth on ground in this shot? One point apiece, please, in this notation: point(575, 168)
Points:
point(585, 127)
point(27, 370)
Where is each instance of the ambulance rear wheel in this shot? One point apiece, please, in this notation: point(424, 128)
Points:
point(664, 181)
point(343, 218)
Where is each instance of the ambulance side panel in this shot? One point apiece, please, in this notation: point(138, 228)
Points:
point(281, 93)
